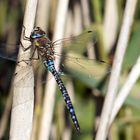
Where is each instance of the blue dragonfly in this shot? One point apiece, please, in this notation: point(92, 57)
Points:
point(45, 49)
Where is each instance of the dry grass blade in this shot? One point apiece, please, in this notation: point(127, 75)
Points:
point(131, 80)
point(112, 88)
point(49, 98)
point(23, 97)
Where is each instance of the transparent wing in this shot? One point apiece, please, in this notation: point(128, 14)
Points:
point(24, 76)
point(9, 51)
point(89, 71)
point(76, 43)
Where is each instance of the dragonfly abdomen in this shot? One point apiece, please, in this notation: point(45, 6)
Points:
point(50, 65)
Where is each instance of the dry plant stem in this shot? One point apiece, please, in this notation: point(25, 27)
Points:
point(42, 17)
point(67, 134)
point(110, 28)
point(86, 12)
point(23, 90)
point(43, 13)
point(38, 104)
point(113, 83)
point(49, 98)
point(77, 19)
point(69, 24)
point(131, 80)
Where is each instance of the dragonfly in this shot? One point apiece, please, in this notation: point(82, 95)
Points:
point(45, 49)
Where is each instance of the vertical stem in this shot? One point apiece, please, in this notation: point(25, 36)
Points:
point(23, 90)
point(97, 10)
point(110, 28)
point(42, 20)
point(49, 98)
point(123, 93)
point(114, 79)
point(43, 13)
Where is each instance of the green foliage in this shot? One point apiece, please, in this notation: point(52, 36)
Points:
point(3, 14)
point(133, 50)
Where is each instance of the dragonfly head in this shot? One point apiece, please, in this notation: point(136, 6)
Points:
point(37, 33)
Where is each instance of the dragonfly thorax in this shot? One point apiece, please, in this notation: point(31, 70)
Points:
point(44, 47)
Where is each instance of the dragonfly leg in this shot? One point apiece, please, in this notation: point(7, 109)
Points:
point(24, 36)
point(32, 56)
point(26, 61)
point(25, 49)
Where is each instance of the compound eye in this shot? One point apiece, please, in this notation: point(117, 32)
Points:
point(36, 35)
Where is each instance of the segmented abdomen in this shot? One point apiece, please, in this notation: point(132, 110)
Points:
point(50, 65)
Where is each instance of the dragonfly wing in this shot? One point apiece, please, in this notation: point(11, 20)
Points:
point(76, 43)
point(22, 75)
point(40, 71)
point(9, 52)
point(87, 70)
